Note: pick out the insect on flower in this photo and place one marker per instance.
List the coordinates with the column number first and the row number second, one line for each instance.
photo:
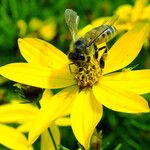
column 84, row 49
column 84, row 91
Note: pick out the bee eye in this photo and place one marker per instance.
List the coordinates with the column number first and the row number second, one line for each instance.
column 72, row 56
column 76, row 56
column 81, row 56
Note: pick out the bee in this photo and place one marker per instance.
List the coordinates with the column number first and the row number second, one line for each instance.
column 85, row 48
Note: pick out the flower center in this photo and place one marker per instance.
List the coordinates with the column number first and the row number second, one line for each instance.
column 88, row 74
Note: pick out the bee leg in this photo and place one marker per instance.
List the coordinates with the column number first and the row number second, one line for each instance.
column 103, row 58
column 70, row 67
column 96, row 51
column 103, row 47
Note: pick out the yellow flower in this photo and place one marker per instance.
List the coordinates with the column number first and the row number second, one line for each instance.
column 37, row 28
column 24, row 114
column 48, row 68
column 35, row 24
column 129, row 15
column 13, row 139
column 22, row 26
column 46, row 29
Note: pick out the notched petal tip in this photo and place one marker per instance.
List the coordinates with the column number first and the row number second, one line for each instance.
column 37, row 51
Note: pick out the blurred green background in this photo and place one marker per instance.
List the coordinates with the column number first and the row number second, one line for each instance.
column 21, row 18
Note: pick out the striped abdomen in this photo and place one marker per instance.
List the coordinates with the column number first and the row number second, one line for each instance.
column 106, row 33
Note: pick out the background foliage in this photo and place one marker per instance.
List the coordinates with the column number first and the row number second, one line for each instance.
column 119, row 131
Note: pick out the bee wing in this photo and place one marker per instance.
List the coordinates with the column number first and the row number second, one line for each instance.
column 72, row 20
column 98, row 31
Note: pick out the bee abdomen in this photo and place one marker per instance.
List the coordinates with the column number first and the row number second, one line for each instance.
column 108, row 33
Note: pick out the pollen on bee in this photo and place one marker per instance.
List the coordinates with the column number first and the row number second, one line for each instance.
column 88, row 75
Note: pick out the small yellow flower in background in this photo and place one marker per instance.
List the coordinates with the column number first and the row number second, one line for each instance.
column 13, row 139
column 129, row 15
column 47, row 67
column 22, row 26
column 48, row 30
column 35, row 24
column 38, row 28
column 24, row 114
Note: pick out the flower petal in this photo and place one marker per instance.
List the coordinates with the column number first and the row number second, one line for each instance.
column 12, row 138
column 38, row 76
column 24, row 127
column 46, row 141
column 85, row 115
column 46, row 96
column 37, row 51
column 137, row 81
column 56, row 107
column 19, row 113
column 65, row 121
column 138, row 9
column 119, row 100
column 124, row 51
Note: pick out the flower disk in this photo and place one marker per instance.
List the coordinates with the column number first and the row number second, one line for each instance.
column 88, row 74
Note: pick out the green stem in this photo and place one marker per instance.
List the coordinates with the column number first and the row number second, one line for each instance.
column 51, row 135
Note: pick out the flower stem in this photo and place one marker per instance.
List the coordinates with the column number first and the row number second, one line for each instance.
column 51, row 135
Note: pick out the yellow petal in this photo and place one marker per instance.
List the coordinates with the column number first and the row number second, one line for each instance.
column 124, row 51
column 24, row 127
column 37, row 51
column 85, row 115
column 46, row 141
column 65, row 121
column 138, row 9
column 46, row 96
column 38, row 76
column 146, row 12
column 19, row 113
column 55, row 108
column 119, row 100
column 124, row 12
column 12, row 138
column 136, row 81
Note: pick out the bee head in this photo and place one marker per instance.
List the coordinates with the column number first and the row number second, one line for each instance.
column 75, row 56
